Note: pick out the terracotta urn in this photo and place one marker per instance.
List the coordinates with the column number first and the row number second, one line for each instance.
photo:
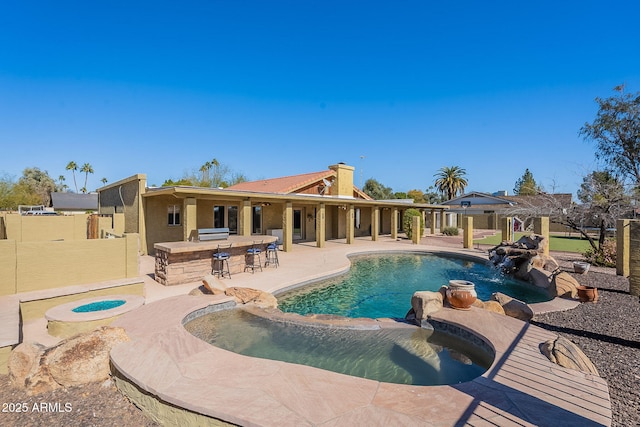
column 587, row 293
column 461, row 294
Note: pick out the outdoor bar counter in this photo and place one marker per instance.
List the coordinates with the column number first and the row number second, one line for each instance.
column 184, row 262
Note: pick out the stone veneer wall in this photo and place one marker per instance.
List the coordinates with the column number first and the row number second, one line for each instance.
column 186, row 267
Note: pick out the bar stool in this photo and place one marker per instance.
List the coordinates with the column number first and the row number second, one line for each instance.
column 253, row 252
column 221, row 260
column 272, row 255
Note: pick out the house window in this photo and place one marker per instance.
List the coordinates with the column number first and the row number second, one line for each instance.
column 173, row 217
column 256, row 220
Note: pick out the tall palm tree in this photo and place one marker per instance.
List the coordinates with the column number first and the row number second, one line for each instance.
column 451, row 181
column 87, row 169
column 103, row 181
column 73, row 167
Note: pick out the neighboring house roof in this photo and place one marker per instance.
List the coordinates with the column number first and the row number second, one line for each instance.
column 307, row 183
column 488, row 202
column 478, row 198
column 74, row 201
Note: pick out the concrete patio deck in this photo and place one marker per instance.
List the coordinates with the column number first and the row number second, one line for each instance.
column 169, row 368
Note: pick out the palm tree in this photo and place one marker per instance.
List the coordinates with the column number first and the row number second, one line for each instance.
column 87, row 169
column 451, row 181
column 103, row 181
column 73, row 167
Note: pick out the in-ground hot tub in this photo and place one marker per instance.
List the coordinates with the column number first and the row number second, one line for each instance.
column 87, row 314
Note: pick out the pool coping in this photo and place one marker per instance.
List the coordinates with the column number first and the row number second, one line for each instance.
column 521, row 387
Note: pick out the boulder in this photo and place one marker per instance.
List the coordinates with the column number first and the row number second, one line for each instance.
column 248, row 295
column 266, row 300
column 84, row 358
column 494, row 306
column 75, row 361
column 564, row 285
column 513, row 307
column 424, row 303
column 540, row 278
column 24, row 358
column 478, row 303
column 565, row 353
column 214, row 284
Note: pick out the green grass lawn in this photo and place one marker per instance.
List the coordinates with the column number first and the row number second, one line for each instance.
column 556, row 243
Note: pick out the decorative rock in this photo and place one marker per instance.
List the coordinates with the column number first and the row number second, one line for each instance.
column 214, row 285
column 565, row 353
column 513, row 307
column 242, row 295
column 564, row 285
column 541, row 278
column 85, row 358
column 266, row 300
column 494, row 306
column 248, row 295
column 22, row 360
column 478, row 303
column 424, row 303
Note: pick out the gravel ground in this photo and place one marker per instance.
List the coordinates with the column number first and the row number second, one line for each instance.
column 607, row 331
column 89, row 405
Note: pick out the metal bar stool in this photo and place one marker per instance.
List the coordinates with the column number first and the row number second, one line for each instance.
column 272, row 255
column 252, row 253
column 221, row 260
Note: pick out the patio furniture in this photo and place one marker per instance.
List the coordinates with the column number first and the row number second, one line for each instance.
column 221, row 261
column 271, row 256
column 205, row 234
column 253, row 253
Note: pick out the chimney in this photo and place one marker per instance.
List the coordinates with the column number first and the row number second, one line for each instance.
column 343, row 183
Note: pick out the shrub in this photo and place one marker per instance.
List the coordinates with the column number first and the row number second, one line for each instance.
column 450, row 231
column 604, row 256
column 407, row 222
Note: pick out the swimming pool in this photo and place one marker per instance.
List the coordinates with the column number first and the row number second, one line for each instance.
column 381, row 285
column 400, row 354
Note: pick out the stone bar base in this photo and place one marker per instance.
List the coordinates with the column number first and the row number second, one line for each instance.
column 185, row 262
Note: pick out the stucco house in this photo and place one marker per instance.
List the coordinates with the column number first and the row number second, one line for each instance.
column 309, row 207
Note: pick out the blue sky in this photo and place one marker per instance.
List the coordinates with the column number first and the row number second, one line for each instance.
column 285, row 87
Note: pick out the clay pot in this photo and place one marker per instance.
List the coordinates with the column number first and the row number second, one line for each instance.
column 461, row 294
column 587, row 294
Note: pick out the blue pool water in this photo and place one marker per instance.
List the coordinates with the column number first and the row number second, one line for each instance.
column 381, row 285
column 414, row 355
column 98, row 306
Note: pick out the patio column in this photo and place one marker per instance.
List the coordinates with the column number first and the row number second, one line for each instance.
column 190, row 219
column 467, row 241
column 244, row 220
column 287, row 227
column 507, row 229
column 634, row 258
column 350, row 225
column 375, row 222
column 541, row 227
column 321, row 226
column 394, row 223
column 433, row 222
column 623, row 229
column 443, row 220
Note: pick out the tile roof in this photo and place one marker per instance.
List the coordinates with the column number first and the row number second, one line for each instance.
column 283, row 185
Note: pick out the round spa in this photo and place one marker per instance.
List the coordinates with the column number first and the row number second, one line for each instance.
column 75, row 317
